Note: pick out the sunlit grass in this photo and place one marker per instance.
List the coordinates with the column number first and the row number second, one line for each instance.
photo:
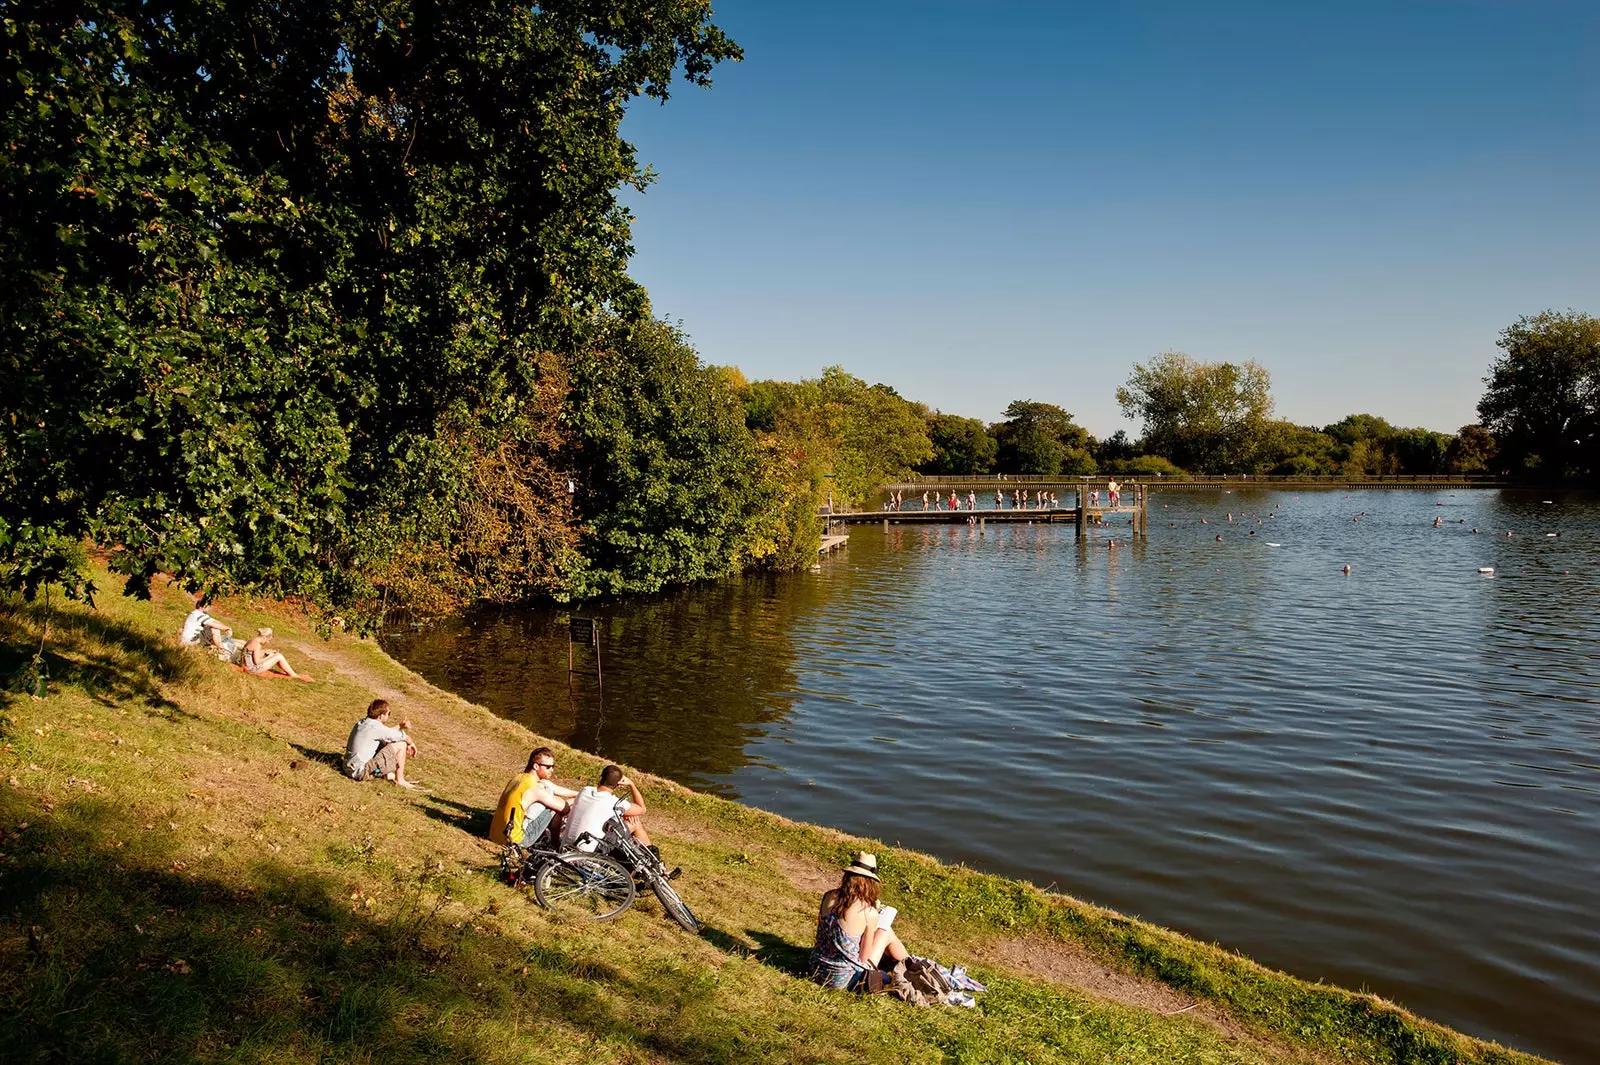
column 184, row 875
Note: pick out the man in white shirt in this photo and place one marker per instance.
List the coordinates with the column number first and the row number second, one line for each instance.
column 376, row 749
column 594, row 806
column 202, row 629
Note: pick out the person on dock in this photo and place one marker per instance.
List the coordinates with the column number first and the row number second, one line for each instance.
column 924, row 500
column 955, row 500
column 1016, row 499
column 972, row 500
column 1114, row 492
column 376, row 750
column 531, row 802
column 999, row 499
column 854, row 934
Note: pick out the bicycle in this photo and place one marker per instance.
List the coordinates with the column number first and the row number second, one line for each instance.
column 570, row 881
column 647, row 870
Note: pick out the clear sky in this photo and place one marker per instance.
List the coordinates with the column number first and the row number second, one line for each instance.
column 982, row 201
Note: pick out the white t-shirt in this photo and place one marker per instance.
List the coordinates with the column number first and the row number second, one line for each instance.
column 194, row 627
column 589, row 813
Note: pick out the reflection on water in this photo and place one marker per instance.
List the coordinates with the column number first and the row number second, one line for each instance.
column 1388, row 779
column 688, row 682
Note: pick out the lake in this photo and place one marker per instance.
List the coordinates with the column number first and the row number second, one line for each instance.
column 1388, row 779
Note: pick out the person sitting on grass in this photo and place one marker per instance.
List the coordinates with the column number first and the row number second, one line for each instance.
column 259, row 659
column 853, row 933
column 531, row 803
column 376, row 750
column 594, row 806
column 203, row 630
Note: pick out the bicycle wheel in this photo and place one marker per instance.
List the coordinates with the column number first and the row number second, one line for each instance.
column 590, row 884
column 676, row 908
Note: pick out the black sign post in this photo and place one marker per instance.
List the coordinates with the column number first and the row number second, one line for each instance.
column 584, row 631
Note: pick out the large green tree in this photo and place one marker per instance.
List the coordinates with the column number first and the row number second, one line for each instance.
column 669, row 486
column 1542, row 400
column 961, row 446
column 1210, row 417
column 1042, row 438
column 280, row 276
column 842, row 431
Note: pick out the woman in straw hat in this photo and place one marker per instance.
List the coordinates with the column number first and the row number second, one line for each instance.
column 852, row 941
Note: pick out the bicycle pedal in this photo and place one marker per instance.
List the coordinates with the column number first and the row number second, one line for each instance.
column 677, row 871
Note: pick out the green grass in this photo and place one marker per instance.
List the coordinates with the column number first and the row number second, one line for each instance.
column 185, row 876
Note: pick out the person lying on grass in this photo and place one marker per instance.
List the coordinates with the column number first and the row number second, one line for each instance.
column 531, row 803
column 261, row 660
column 376, row 750
column 853, row 933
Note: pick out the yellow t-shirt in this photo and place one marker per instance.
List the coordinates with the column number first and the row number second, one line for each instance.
column 506, row 827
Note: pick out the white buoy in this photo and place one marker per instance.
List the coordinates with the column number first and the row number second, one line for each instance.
column 1485, row 569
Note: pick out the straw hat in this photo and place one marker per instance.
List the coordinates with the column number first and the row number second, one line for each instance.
column 864, row 864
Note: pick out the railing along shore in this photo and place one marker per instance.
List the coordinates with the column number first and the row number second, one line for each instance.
column 992, row 480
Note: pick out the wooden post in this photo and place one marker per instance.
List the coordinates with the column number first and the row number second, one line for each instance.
column 1083, row 511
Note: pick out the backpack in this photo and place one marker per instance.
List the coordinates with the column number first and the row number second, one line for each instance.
column 925, row 976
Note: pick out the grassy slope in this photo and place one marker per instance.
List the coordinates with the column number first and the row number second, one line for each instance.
column 184, row 875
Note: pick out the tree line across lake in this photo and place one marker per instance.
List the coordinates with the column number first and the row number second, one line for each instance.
column 331, row 302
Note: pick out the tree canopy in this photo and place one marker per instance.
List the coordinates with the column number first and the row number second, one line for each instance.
column 1042, row 438
column 668, row 486
column 1204, row 416
column 961, row 446
column 1542, row 396
column 279, row 275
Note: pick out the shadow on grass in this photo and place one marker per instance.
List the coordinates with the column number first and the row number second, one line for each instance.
column 770, row 949
column 334, row 760
column 110, row 660
column 98, row 924
column 473, row 820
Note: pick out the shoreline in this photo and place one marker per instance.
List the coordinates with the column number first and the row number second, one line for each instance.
column 138, row 735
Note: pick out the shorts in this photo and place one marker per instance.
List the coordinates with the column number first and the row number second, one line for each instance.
column 385, row 762
column 534, row 824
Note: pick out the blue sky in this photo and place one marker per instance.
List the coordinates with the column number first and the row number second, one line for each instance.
column 984, row 201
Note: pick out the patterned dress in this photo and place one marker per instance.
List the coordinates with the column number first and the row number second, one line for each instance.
column 836, row 956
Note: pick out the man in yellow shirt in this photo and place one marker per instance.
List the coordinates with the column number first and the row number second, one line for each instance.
column 531, row 802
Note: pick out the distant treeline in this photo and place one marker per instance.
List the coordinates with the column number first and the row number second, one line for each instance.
column 323, row 304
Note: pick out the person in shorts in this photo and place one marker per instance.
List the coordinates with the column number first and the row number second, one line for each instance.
column 594, row 806
column 376, row 750
column 203, row 630
column 531, row 803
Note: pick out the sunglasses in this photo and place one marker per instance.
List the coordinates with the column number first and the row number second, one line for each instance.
column 544, row 765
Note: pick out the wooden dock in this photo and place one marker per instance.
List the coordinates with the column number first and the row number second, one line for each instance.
column 832, row 542
column 1081, row 516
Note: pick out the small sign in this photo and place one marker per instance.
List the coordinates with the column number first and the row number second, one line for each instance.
column 583, row 630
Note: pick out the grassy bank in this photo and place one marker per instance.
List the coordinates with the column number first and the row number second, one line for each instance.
column 185, row 876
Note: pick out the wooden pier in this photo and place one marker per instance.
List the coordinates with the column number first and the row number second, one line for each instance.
column 1080, row 517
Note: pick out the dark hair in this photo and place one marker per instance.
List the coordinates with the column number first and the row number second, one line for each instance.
column 852, row 889
column 378, row 708
column 610, row 775
column 534, row 757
